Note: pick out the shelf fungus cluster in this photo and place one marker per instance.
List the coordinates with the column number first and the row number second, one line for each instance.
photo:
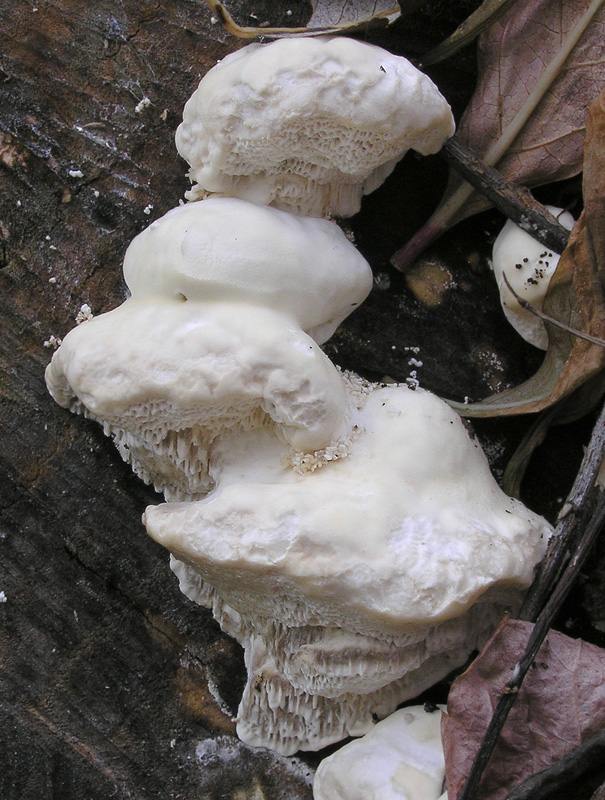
column 349, row 535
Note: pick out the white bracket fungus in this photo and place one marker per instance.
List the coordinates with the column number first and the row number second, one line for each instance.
column 308, row 125
column 401, row 758
column 212, row 339
column 528, row 266
column 358, row 585
column 230, row 250
column 350, row 536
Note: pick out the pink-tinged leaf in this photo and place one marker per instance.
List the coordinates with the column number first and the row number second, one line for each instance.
column 513, row 55
column 560, row 705
column 527, row 115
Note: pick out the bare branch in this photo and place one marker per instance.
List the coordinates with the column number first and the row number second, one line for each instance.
column 515, row 202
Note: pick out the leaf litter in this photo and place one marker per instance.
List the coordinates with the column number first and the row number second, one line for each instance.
column 540, row 65
column 560, row 705
column 575, row 298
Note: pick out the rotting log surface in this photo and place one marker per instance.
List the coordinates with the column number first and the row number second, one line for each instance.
column 112, row 684
column 105, row 667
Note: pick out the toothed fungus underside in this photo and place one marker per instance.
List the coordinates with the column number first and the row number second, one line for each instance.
column 357, row 585
column 309, row 125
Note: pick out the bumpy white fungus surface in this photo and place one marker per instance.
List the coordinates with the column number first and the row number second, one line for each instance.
column 308, row 124
column 358, row 584
column 229, row 250
column 529, row 266
column 212, row 339
column 401, row 758
column 167, row 379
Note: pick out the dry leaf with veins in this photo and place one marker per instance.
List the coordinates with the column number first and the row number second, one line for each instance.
column 328, row 13
column 513, row 55
column 328, row 17
column 560, row 705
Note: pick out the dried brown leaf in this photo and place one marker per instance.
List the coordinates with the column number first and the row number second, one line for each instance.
column 513, row 54
column 332, row 13
column 329, row 17
column 575, row 298
column 560, row 705
column 519, row 66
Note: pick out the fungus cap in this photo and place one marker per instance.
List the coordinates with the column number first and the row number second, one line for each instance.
column 401, row 758
column 528, row 266
column 308, row 124
column 167, row 378
column 359, row 583
column 226, row 249
column 409, row 529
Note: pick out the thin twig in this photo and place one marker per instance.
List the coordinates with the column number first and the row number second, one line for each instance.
column 590, row 466
column 573, row 515
column 551, row 320
column 515, row 202
column 442, row 217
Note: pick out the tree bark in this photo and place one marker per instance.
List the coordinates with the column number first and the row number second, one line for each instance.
column 112, row 683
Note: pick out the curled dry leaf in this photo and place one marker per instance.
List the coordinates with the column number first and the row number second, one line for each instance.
column 527, row 115
column 332, row 13
column 328, row 17
column 560, row 705
column 575, row 297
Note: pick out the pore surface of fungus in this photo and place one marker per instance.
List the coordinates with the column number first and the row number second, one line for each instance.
column 309, row 124
column 356, row 585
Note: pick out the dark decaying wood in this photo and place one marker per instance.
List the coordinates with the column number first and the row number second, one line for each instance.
column 112, row 684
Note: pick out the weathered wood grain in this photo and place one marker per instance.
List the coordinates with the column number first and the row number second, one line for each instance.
column 105, row 667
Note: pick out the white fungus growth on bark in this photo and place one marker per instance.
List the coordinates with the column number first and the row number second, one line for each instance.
column 349, row 535
column 401, row 758
column 358, row 585
column 228, row 300
column 308, row 125
column 528, row 266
